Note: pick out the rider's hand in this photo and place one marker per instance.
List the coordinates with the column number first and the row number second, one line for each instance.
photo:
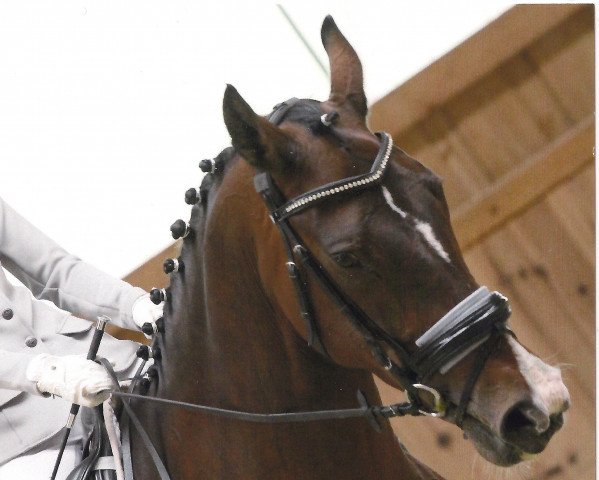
column 71, row 377
column 144, row 311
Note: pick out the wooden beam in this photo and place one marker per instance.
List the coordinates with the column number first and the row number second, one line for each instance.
column 525, row 185
column 467, row 63
column 150, row 274
column 146, row 276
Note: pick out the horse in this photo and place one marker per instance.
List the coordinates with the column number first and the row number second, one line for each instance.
column 317, row 255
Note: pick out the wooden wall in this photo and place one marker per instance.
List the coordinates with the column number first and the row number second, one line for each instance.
column 507, row 119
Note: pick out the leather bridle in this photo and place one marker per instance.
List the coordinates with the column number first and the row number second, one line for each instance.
column 483, row 320
column 478, row 321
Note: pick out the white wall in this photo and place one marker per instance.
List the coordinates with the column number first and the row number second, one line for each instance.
column 106, row 107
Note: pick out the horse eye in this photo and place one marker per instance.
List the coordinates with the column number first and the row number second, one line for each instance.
column 346, row 259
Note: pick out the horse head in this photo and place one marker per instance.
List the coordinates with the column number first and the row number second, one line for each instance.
column 386, row 265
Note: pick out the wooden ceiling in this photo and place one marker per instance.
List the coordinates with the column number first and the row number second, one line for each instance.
column 507, row 119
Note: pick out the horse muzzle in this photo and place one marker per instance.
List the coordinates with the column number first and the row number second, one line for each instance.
column 521, row 432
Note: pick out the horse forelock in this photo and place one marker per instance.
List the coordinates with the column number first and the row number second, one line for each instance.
column 306, row 112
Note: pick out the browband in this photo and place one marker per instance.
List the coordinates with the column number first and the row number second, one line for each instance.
column 350, row 184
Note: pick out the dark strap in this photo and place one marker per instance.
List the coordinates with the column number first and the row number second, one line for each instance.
column 145, row 438
column 364, row 411
column 294, row 248
column 126, row 431
column 484, row 353
column 369, row 329
column 451, row 343
column 85, row 469
column 339, row 187
column 276, row 116
column 370, row 413
column 147, row 442
column 272, row 197
column 306, row 310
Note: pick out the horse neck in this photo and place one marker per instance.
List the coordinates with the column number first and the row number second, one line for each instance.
column 234, row 336
column 228, row 345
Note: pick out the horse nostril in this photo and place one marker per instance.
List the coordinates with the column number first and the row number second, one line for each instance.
column 528, row 427
column 525, row 416
column 557, row 421
column 539, row 419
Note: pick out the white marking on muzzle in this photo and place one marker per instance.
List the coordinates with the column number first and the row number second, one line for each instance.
column 545, row 382
column 423, row 228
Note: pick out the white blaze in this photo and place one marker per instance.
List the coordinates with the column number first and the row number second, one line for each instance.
column 427, row 232
column 423, row 228
column 391, row 203
column 545, row 382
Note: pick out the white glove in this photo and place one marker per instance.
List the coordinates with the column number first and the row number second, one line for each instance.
column 71, row 377
column 145, row 311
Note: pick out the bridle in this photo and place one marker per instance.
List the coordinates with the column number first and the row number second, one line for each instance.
column 477, row 321
column 479, row 318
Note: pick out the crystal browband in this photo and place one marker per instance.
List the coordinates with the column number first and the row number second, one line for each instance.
column 375, row 174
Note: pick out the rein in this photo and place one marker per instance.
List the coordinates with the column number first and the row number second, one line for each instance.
column 369, row 412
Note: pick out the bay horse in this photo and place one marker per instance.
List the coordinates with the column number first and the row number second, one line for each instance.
column 287, row 301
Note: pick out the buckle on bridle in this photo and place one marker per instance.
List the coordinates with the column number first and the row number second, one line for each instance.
column 439, row 407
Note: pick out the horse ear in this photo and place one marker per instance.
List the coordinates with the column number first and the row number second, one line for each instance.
column 262, row 144
column 346, row 69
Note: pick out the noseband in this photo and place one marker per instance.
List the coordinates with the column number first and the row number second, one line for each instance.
column 478, row 319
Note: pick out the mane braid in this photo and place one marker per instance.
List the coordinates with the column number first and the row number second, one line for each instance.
column 198, row 220
column 223, row 160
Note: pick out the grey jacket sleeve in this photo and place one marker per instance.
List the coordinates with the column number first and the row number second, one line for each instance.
column 51, row 273
column 13, row 371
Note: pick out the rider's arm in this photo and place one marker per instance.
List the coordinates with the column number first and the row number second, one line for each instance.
column 51, row 273
column 13, row 372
